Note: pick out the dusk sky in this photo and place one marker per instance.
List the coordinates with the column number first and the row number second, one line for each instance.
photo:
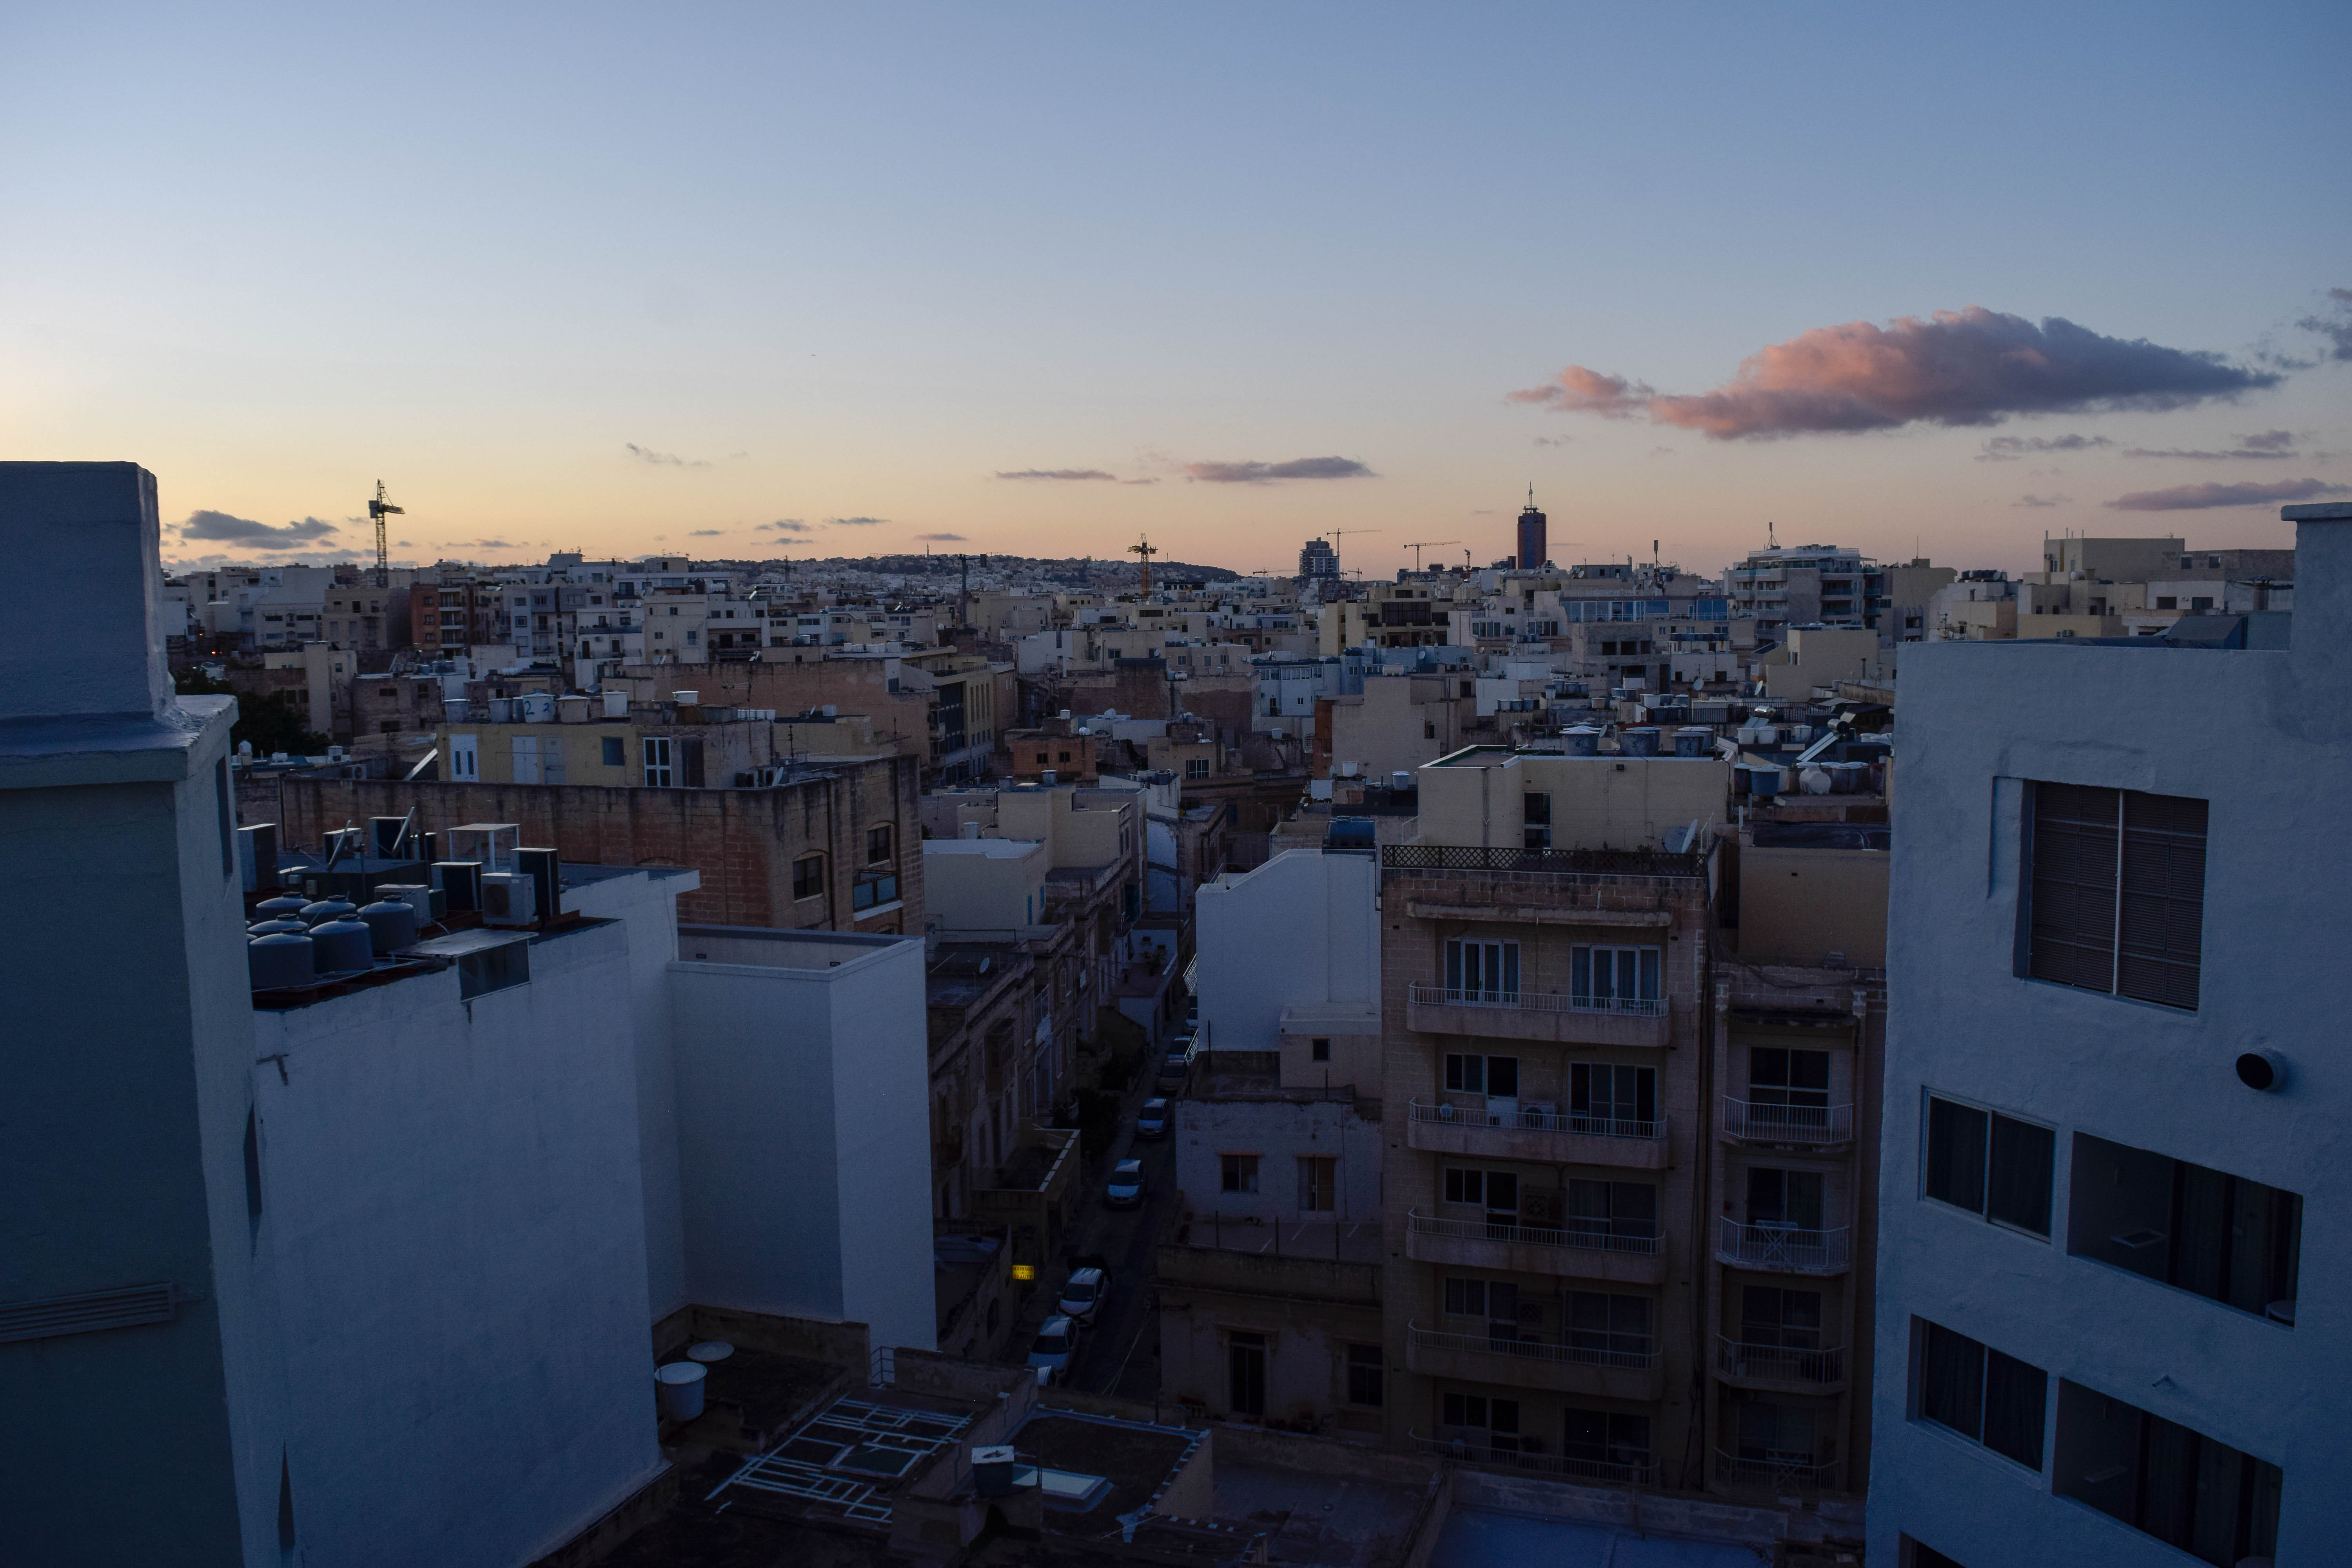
column 1034, row 280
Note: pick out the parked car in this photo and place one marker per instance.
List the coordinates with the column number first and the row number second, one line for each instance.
column 1151, row 1122
column 1082, row 1294
column 1050, row 1352
column 1125, row 1190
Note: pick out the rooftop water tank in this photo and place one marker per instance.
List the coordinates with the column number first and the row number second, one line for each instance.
column 281, row 958
column 327, row 910
column 1402, row 779
column 616, row 704
column 502, row 709
column 538, row 707
column 456, row 710
column 573, row 708
column 1583, row 740
column 342, row 945
column 272, row 928
column 392, row 925
column 1695, row 740
column 285, row 905
column 678, row 1389
column 1641, row 741
column 1765, row 781
column 687, row 698
column 1814, row 781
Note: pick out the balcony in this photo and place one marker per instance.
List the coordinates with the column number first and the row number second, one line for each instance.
column 1784, row 1475
column 1546, row 1015
column 1787, row 1126
column 1531, row 1363
column 1780, row 1249
column 1476, row 1448
column 1537, row 1136
column 1534, row 1249
column 1780, row 1369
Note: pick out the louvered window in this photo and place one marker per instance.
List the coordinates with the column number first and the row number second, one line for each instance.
column 2118, row 891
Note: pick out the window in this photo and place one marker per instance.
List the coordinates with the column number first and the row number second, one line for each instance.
column 1240, row 1173
column 1537, row 809
column 615, row 752
column 1924, row 1556
column 1788, row 1087
column 2200, row 604
column 1989, row 1164
column 1482, row 971
column 1463, row 1187
column 1196, row 767
column 1246, row 1369
column 1624, row 1209
column 1472, row 1298
column 1318, row 1174
column 1782, row 1199
column 1043, row 759
column 1495, row 1422
column 808, row 877
column 2167, row 601
column 2117, row 900
column 1614, row 979
column 1613, row 1328
column 1497, row 1076
column 2157, row 1476
column 2224, row 1237
column 1364, row 1380
column 1595, row 1438
column 464, row 757
column 1612, row 1100
column 1429, row 731
column 878, row 845
column 1979, row 1393
column 1780, row 1319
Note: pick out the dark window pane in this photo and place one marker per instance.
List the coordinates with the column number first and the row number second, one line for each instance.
column 1502, row 1077
column 1956, row 1154
column 2163, row 905
column 2074, row 885
column 2014, row 1398
column 2019, row 1191
column 1951, row 1381
column 1767, row 1065
column 1927, row 1557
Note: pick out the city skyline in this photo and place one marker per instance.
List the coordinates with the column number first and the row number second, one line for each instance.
column 817, row 286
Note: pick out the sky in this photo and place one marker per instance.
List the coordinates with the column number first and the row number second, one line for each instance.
column 748, row 281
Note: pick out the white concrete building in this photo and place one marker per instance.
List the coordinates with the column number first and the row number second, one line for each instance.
column 2113, row 1104
column 1290, row 953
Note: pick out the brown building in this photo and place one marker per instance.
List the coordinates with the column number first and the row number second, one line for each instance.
column 835, row 847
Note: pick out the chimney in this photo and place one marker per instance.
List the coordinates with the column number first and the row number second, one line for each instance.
column 2321, row 632
column 98, row 648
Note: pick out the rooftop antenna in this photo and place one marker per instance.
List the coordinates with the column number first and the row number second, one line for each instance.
column 379, row 508
column 1771, row 543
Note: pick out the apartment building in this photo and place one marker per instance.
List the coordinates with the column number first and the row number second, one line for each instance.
column 1270, row 1288
column 1801, row 584
column 1544, row 1006
column 2112, row 1116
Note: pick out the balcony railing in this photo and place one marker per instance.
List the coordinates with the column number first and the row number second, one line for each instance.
column 1464, row 1450
column 1538, row 1001
column 1780, row 1248
column 1538, row 1350
column 1787, row 1472
column 1538, row 1121
column 1765, row 1123
column 1594, row 862
column 1529, row 1235
column 1780, row 1363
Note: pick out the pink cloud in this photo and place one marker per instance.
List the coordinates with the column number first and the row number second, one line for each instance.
column 1957, row 367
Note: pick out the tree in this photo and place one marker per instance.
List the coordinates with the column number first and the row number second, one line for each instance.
column 271, row 722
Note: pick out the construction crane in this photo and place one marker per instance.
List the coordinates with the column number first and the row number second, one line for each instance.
column 380, row 509
column 1335, row 534
column 1147, row 550
column 1419, row 545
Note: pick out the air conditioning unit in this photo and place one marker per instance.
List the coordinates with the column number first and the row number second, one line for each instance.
column 509, row 898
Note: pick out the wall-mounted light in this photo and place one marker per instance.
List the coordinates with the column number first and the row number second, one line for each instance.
column 1024, row 1271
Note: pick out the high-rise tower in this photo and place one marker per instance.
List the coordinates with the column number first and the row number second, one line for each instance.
column 1533, row 549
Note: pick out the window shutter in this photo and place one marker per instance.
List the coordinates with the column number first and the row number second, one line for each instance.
column 2163, row 904
column 2074, row 908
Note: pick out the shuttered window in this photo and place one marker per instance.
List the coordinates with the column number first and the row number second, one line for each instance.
column 2118, row 892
